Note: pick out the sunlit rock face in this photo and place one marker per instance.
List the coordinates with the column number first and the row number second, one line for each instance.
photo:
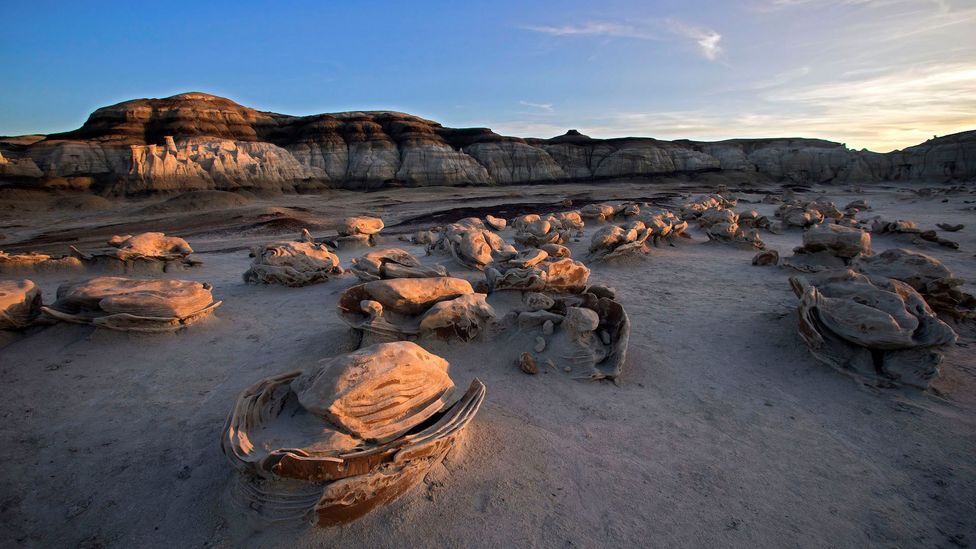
column 196, row 141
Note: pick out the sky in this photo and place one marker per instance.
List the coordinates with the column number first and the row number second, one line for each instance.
column 876, row 74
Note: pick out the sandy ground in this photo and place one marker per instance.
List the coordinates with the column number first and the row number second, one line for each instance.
column 724, row 430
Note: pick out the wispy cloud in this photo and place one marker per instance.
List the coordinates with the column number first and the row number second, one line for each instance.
column 776, row 5
column 542, row 106
column 707, row 40
column 594, row 28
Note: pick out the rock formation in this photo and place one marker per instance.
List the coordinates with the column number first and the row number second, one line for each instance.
column 293, row 263
column 926, row 274
column 145, row 253
column 133, row 305
column 829, row 246
column 20, row 303
column 471, row 244
column 346, row 435
column 392, row 263
column 196, row 141
column 534, row 270
column 584, row 335
column 872, row 327
column 404, row 308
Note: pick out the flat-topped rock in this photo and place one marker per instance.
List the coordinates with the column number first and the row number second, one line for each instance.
column 377, row 393
column 133, row 304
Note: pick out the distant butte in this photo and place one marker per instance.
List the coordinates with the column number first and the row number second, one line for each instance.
column 195, row 141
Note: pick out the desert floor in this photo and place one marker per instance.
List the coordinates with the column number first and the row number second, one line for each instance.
column 724, row 431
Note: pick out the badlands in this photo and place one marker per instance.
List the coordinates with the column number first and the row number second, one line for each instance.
column 775, row 352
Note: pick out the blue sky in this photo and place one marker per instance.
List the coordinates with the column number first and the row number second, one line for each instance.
column 880, row 74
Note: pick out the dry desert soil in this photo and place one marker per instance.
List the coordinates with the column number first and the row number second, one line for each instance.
column 724, row 431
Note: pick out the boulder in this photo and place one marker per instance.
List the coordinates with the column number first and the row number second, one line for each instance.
column 133, row 305
column 876, row 328
column 841, row 241
column 398, row 309
column 20, row 303
column 346, row 435
column 377, row 393
column 293, row 263
column 926, row 274
column 495, row 223
column 358, row 225
column 393, row 263
column 150, row 246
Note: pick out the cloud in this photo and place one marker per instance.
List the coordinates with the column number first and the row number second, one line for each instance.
column 708, row 40
column 777, row 5
column 901, row 107
column 543, row 106
column 596, row 28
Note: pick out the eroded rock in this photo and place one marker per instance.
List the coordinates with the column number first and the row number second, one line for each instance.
column 347, row 435
column 393, row 263
column 871, row 327
column 150, row 246
column 397, row 309
column 293, row 263
column 829, row 246
column 766, row 258
column 357, row 225
column 534, row 271
column 20, row 303
column 926, row 274
column 22, row 264
column 133, row 305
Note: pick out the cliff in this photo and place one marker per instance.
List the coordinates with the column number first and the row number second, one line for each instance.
column 197, row 141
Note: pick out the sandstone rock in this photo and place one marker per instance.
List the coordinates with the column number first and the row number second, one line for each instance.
column 540, row 344
column 473, row 247
column 765, row 258
column 397, row 309
column 535, row 301
column 496, row 223
column 377, row 393
column 296, row 463
column 196, row 141
column 20, row 303
column 360, row 225
column 845, row 242
column 20, row 264
column 527, row 364
column 571, row 220
column 415, row 295
column 463, row 317
column 925, row 274
column 150, row 245
column 548, row 327
column 393, row 263
column 293, row 263
column 564, row 275
column 133, row 305
column 880, row 226
column 598, row 212
column 871, row 327
column 581, row 319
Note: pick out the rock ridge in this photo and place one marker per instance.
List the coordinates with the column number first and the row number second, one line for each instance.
column 197, row 141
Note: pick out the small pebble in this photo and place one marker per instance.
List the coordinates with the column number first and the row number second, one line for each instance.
column 527, row 364
column 548, row 327
column 605, row 337
column 567, row 369
column 540, row 343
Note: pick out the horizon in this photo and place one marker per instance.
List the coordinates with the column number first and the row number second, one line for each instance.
column 759, row 69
